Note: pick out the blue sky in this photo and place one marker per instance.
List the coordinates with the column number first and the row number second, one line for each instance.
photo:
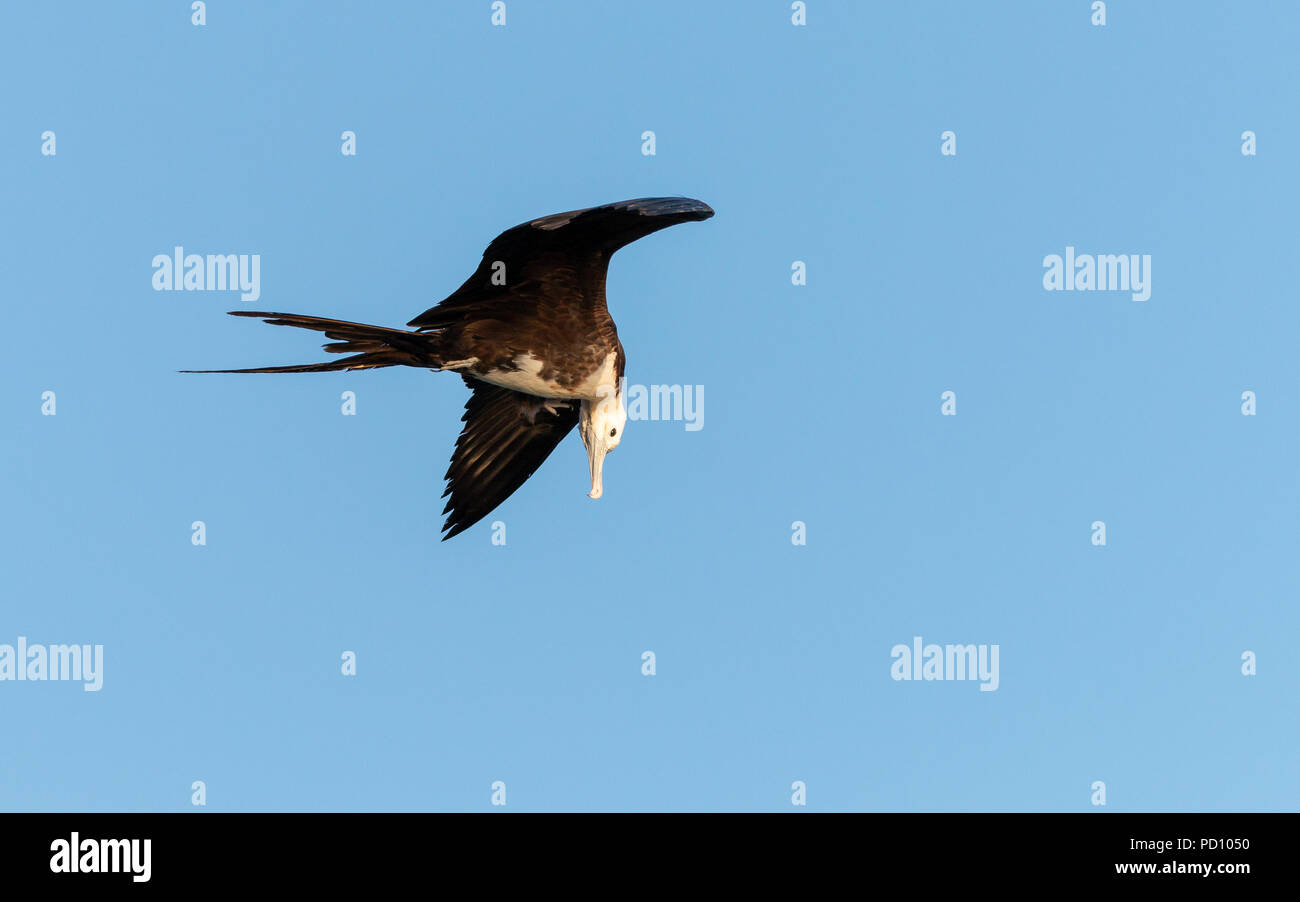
column 522, row 663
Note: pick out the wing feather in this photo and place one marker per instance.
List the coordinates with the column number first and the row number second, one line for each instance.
column 563, row 256
column 507, row 436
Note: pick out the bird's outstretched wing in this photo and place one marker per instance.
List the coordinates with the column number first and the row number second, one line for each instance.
column 507, row 436
column 559, row 258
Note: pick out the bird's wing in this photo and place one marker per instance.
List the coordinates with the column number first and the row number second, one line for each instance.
column 563, row 256
column 507, row 436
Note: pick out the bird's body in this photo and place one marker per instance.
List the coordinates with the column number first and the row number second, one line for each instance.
column 530, row 334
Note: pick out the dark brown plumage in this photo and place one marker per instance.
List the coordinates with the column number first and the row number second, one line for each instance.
column 507, row 436
column 528, row 331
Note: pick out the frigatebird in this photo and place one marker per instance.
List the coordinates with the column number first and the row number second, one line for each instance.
column 530, row 335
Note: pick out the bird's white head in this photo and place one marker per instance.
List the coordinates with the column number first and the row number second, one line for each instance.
column 600, row 423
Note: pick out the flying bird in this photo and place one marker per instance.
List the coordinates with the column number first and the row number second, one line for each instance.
column 530, row 335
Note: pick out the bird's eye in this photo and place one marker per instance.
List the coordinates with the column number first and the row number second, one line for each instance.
column 613, row 432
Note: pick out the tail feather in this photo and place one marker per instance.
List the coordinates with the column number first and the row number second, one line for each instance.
column 369, row 347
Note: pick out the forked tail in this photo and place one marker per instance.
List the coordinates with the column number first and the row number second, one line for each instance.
column 368, row 347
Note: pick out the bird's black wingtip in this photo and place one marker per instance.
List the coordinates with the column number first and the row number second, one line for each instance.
column 681, row 208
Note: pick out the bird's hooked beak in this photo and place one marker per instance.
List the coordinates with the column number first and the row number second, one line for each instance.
column 596, row 452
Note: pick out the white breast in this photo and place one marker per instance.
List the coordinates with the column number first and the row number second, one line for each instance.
column 527, row 379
